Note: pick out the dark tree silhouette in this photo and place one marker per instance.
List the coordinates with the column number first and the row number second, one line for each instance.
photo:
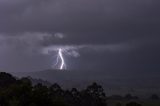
column 118, row 104
column 55, row 90
column 41, row 95
column 133, row 104
column 6, row 79
column 22, row 92
column 94, row 95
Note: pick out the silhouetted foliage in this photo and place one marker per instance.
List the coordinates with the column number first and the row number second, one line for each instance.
column 118, row 104
column 133, row 104
column 94, row 95
column 21, row 92
column 6, row 79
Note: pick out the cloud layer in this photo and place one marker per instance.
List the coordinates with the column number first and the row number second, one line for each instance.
column 101, row 33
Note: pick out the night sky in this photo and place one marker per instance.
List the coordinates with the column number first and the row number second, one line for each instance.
column 97, row 35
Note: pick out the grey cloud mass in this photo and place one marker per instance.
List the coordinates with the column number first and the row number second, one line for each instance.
column 102, row 34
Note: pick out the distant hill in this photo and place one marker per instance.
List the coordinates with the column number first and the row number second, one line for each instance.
column 118, row 84
column 64, row 77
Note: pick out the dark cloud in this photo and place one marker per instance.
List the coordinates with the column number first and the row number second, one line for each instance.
column 100, row 31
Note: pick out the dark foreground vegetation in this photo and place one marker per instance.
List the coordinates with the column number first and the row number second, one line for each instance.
column 21, row 92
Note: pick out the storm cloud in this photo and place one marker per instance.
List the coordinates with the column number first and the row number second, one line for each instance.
column 101, row 34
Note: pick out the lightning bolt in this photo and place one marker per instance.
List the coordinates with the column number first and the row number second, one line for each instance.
column 57, row 61
column 62, row 66
column 60, row 60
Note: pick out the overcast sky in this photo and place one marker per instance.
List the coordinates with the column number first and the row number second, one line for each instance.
column 100, row 35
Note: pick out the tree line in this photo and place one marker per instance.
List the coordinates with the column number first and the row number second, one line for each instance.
column 21, row 92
